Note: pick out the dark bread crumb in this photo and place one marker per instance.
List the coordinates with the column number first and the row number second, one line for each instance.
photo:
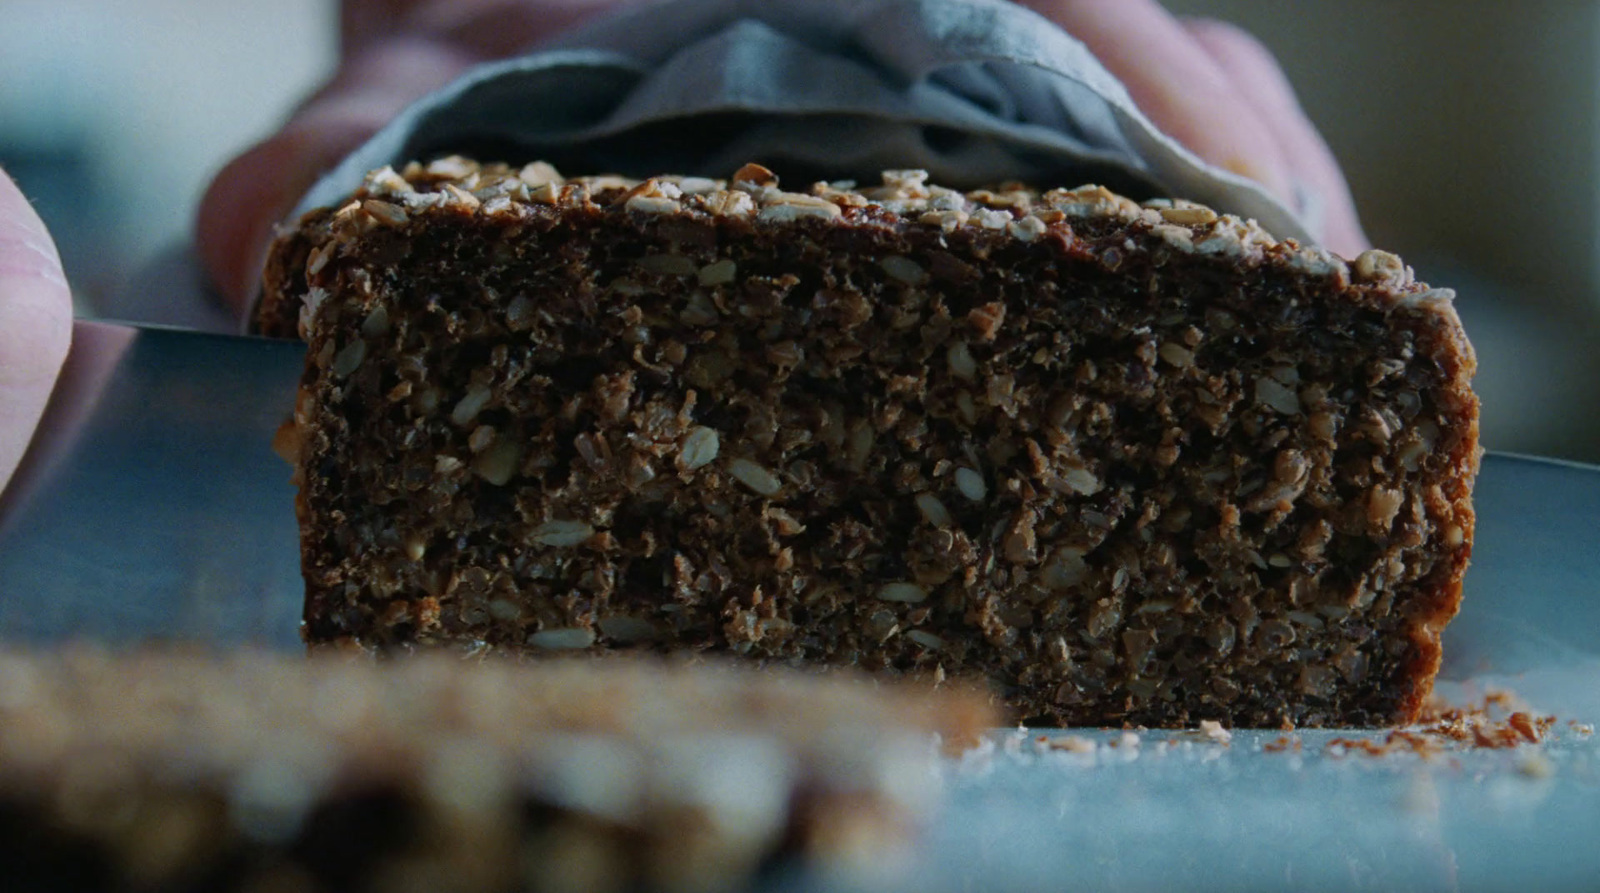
column 1130, row 464
column 1495, row 724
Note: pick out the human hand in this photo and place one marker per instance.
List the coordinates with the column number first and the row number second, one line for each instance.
column 391, row 53
column 1217, row 90
column 1210, row 85
column 35, row 323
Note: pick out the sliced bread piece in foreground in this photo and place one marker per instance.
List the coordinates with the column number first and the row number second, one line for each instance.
column 171, row 770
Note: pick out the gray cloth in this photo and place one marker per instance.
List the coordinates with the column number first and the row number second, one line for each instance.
column 974, row 91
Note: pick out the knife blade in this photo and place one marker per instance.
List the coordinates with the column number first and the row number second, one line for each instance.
column 150, row 504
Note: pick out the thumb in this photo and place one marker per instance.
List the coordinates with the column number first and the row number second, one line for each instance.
column 35, row 323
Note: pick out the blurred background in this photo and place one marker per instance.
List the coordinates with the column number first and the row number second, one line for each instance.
column 1469, row 129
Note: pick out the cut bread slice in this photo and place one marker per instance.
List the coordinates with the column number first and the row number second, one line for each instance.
column 1127, row 463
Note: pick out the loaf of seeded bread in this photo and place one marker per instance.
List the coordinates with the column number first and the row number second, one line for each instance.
column 188, row 771
column 1128, row 463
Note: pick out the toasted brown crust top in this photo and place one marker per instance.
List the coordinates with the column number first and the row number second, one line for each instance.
column 451, row 187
